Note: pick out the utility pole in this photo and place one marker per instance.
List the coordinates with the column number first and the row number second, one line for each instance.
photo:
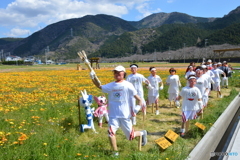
column 206, row 47
column 2, row 55
column 184, row 51
column 46, row 52
column 169, row 54
column 155, row 55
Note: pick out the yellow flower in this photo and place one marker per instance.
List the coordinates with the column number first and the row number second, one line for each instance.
column 44, row 144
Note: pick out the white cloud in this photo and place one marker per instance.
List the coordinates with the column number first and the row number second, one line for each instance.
column 170, row 1
column 30, row 13
column 145, row 10
column 16, row 32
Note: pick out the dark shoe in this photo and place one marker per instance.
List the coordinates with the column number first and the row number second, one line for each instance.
column 182, row 134
column 144, row 138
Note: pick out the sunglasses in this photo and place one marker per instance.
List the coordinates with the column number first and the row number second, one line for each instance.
column 172, row 70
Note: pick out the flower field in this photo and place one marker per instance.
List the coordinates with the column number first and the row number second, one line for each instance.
column 39, row 118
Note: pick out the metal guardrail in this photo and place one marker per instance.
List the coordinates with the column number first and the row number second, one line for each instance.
column 210, row 141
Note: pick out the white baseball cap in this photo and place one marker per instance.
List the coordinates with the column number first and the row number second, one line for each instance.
column 119, row 69
column 209, row 60
column 204, row 66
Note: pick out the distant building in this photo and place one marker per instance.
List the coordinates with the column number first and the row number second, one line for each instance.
column 13, row 58
column 50, row 62
column 29, row 59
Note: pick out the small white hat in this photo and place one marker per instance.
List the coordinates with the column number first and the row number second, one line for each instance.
column 204, row 66
column 119, row 69
column 210, row 60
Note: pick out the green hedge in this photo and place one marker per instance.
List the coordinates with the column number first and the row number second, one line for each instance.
column 12, row 62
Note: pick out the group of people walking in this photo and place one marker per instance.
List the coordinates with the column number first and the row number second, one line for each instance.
column 123, row 94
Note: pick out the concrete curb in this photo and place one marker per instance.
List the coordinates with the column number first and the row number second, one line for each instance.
column 211, row 139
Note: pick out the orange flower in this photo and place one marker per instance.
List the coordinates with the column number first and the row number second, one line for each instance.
column 23, row 137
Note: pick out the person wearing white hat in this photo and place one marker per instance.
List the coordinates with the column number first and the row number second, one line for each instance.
column 202, row 84
column 153, row 92
column 216, row 86
column 173, row 90
column 192, row 104
column 219, row 64
column 224, row 68
column 120, row 95
column 208, row 74
column 137, row 80
column 189, row 72
column 209, row 64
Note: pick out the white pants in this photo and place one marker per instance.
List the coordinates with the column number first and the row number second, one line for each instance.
column 224, row 82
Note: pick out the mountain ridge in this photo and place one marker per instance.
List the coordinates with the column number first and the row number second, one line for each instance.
column 93, row 33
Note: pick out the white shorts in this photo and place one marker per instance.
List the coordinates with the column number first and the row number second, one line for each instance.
column 152, row 99
column 189, row 115
column 124, row 123
column 216, row 86
column 172, row 96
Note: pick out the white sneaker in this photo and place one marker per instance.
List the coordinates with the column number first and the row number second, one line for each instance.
column 157, row 112
column 115, row 154
column 220, row 96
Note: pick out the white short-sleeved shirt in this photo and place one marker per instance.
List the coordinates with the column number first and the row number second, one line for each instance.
column 190, row 98
column 202, row 84
column 154, row 81
column 137, row 80
column 210, row 73
column 208, row 78
column 120, row 97
column 217, row 73
column 173, row 81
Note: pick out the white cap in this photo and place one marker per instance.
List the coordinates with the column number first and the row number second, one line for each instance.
column 119, row 69
column 204, row 66
column 219, row 63
column 209, row 60
column 153, row 69
column 192, row 77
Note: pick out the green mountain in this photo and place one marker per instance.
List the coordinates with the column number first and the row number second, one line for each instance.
column 159, row 19
column 109, row 36
column 220, row 31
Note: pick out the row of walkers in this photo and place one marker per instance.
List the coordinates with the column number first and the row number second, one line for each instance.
column 123, row 94
column 200, row 81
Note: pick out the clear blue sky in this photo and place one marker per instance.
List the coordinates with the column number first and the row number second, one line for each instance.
column 21, row 18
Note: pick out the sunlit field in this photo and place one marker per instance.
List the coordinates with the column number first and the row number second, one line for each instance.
column 39, row 115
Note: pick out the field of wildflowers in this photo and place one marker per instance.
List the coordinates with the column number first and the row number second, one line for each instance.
column 39, row 118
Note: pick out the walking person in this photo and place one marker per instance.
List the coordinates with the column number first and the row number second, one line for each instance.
column 120, row 95
column 192, row 104
column 202, row 84
column 217, row 80
column 224, row 68
column 153, row 92
column 137, row 80
column 174, row 84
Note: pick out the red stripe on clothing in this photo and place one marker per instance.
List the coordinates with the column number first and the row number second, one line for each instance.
column 110, row 131
column 131, row 135
column 183, row 117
